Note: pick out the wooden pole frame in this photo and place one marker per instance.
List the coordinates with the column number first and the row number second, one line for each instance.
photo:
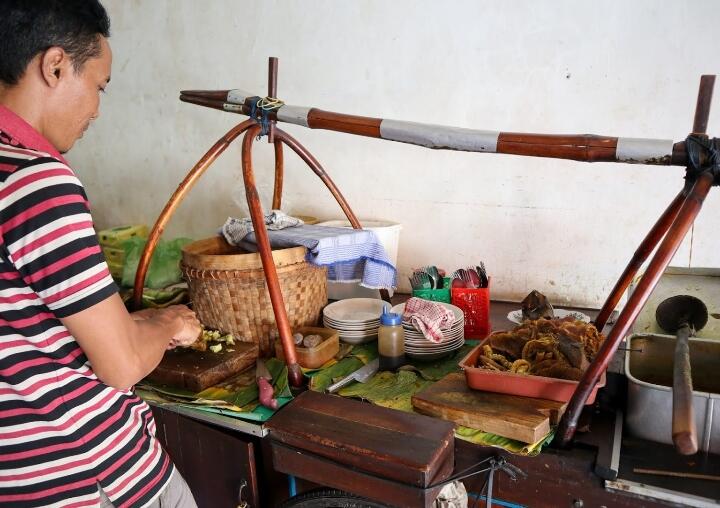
column 671, row 228
column 668, row 231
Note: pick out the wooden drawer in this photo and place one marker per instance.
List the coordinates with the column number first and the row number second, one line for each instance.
column 214, row 462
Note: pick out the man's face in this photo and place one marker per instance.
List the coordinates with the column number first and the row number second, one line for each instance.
column 77, row 99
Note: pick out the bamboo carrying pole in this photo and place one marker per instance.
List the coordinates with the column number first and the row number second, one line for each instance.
column 582, row 147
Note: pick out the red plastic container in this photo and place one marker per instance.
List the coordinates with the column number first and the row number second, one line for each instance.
column 475, row 304
column 538, row 387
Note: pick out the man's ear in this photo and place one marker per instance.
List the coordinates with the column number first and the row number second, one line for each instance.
column 54, row 64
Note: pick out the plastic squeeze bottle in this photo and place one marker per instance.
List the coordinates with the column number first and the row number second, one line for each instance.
column 391, row 341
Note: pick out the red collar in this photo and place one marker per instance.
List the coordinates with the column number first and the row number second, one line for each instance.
column 25, row 134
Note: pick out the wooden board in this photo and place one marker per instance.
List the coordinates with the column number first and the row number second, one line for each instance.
column 521, row 418
column 404, row 447
column 328, row 473
column 197, row 370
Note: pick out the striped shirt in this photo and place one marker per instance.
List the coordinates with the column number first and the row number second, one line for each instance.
column 63, row 432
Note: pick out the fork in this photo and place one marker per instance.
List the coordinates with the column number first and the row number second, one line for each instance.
column 420, row 280
column 432, row 271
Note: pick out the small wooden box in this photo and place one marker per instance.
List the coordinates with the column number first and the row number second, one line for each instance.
column 313, row 357
column 405, row 447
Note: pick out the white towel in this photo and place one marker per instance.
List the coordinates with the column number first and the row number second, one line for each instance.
column 234, row 230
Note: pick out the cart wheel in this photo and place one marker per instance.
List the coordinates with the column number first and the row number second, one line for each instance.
column 329, row 498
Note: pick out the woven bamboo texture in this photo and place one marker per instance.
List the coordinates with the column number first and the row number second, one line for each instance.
column 237, row 301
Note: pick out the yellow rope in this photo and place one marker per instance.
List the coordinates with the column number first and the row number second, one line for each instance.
column 269, row 103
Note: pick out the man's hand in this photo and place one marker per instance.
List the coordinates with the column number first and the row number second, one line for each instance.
column 191, row 326
column 123, row 348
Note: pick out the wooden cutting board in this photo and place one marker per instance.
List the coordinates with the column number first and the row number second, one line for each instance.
column 522, row 418
column 197, row 370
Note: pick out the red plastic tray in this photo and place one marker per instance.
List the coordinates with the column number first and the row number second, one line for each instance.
column 538, row 387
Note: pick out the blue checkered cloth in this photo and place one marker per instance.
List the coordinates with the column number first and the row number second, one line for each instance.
column 351, row 255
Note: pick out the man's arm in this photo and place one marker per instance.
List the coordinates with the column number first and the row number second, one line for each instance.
column 123, row 348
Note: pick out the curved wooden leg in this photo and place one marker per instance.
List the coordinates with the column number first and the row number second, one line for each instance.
column 278, row 188
column 192, row 177
column 643, row 251
column 311, row 161
column 263, row 243
column 685, row 218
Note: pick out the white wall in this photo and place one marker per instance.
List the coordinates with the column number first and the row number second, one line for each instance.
column 567, row 229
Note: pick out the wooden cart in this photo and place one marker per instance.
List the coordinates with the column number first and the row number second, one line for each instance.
column 698, row 153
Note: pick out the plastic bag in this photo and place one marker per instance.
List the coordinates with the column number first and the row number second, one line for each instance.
column 164, row 269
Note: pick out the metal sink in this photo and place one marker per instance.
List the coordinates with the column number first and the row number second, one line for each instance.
column 650, row 373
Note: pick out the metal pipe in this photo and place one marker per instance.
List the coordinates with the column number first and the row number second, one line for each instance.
column 272, row 91
column 279, row 174
column 702, row 108
column 192, row 177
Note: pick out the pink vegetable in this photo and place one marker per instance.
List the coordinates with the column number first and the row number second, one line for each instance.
column 265, row 393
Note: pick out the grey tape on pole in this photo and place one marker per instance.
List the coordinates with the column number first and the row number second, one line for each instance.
column 439, row 136
column 297, row 115
column 238, row 96
column 640, row 150
column 233, row 108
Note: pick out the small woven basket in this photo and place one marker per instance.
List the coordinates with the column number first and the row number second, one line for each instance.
column 228, row 290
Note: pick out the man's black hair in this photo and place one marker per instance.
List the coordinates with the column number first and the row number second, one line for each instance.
column 29, row 27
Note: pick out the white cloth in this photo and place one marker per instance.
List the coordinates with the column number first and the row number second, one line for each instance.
column 452, row 495
column 234, row 230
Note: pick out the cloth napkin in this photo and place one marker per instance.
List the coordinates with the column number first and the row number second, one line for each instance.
column 429, row 318
column 351, row 255
column 239, row 228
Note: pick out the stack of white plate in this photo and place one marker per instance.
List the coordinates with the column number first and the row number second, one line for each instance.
column 418, row 347
column 356, row 319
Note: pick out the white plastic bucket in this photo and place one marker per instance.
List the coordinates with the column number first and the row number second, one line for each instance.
column 388, row 234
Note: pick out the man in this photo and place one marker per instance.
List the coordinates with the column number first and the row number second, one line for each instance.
column 72, row 433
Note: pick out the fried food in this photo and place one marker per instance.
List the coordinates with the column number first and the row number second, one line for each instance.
column 489, row 363
column 559, row 348
column 520, row 367
column 507, row 343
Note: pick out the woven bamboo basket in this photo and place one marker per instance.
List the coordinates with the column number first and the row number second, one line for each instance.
column 228, row 290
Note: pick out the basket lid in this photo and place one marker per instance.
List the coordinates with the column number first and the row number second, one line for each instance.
column 216, row 254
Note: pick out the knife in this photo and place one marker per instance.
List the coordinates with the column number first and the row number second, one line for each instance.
column 264, row 383
column 361, row 375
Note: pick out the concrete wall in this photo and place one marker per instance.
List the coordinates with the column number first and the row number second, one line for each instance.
column 567, row 229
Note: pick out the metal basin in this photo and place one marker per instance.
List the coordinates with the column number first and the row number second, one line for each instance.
column 650, row 377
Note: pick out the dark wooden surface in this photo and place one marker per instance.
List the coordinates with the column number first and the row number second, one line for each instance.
column 213, row 461
column 638, row 453
column 556, row 479
column 197, row 370
column 403, row 447
column 521, row 418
